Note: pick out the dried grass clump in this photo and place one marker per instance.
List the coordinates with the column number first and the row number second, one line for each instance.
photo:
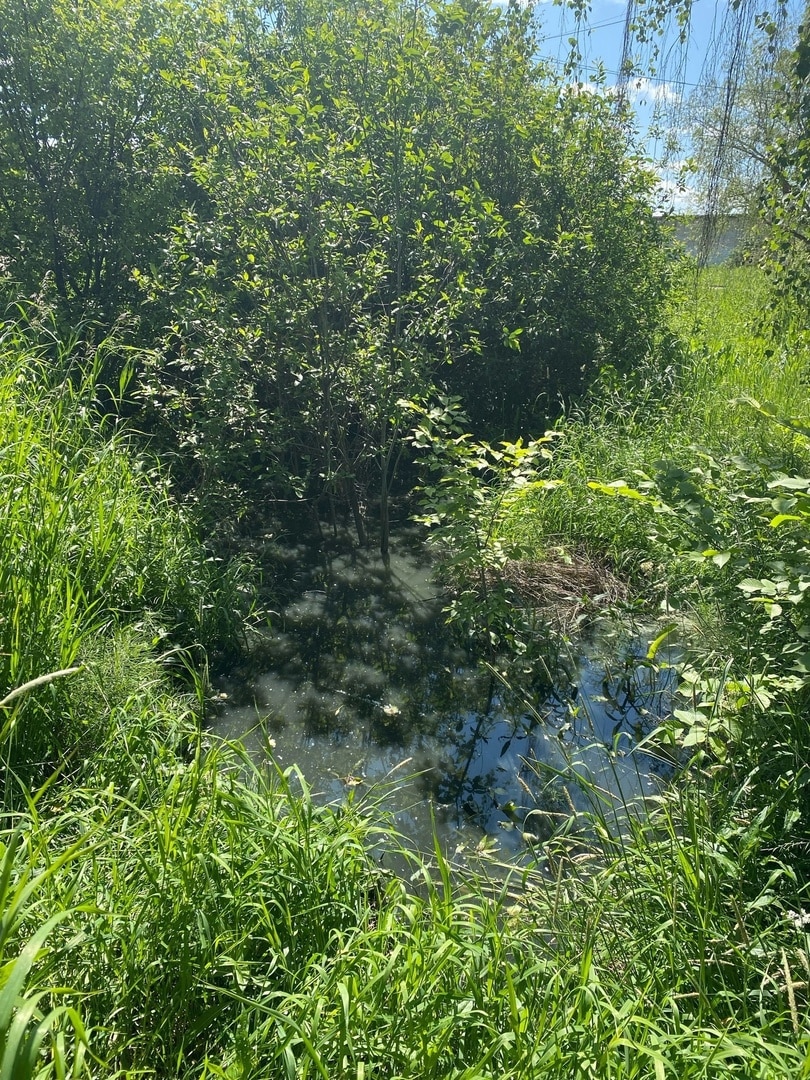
column 567, row 586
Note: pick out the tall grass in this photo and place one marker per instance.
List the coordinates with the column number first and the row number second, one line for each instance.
column 33, row 1012
column 90, row 544
column 212, row 921
column 735, row 350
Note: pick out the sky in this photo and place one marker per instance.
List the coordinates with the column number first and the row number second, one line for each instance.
column 664, row 83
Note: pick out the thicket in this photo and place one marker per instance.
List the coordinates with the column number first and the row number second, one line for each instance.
column 326, row 209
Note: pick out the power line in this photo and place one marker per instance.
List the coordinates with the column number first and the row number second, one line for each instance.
column 574, row 30
column 657, row 78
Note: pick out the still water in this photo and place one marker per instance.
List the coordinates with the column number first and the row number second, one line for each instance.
column 360, row 684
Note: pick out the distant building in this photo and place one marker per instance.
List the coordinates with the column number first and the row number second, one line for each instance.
column 727, row 236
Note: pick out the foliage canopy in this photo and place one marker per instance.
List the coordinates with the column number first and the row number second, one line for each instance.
column 328, row 208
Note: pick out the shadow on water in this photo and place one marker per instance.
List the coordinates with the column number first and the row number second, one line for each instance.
column 361, row 685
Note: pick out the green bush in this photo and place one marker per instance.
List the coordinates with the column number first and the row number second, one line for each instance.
column 396, row 198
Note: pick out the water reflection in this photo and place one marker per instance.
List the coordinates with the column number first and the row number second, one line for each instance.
column 361, row 686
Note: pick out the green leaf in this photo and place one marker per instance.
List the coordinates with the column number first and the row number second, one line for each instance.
column 690, row 717
column 659, row 641
column 750, row 585
column 792, row 483
column 780, row 519
column 719, row 558
column 619, row 488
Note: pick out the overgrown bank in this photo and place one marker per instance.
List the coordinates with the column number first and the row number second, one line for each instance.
column 171, row 912
column 695, row 481
column 299, row 232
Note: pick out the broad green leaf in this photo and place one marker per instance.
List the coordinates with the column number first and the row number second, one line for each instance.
column 792, row 483
column 780, row 519
column 690, row 716
column 619, row 488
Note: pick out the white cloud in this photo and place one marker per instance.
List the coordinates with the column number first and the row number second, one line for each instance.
column 643, row 89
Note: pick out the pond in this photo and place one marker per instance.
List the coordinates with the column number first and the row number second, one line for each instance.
column 361, row 685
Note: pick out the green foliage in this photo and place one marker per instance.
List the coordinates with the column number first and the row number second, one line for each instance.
column 395, row 198
column 674, row 410
column 676, row 881
column 90, row 544
column 174, row 911
column 743, row 526
column 327, row 209
column 786, row 195
column 84, row 109
column 749, row 517
column 214, row 922
column 40, row 1039
column 471, row 489
column 359, row 204
column 709, row 512
column 734, row 123
column 205, row 890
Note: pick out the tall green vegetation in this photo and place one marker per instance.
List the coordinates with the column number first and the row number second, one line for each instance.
column 701, row 488
column 354, row 207
column 205, row 926
column 85, row 184
column 90, row 548
column 172, row 912
column 206, row 920
column 328, row 208
column 786, row 204
column 397, row 197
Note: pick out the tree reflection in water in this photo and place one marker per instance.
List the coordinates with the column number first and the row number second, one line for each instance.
column 358, row 672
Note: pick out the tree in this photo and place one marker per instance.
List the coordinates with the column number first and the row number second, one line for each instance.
column 394, row 196
column 787, row 202
column 329, row 208
column 86, row 188
column 730, row 146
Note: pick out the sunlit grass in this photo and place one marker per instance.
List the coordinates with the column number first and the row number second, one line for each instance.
column 685, row 402
column 735, row 353
column 90, row 545
column 725, row 304
column 209, row 920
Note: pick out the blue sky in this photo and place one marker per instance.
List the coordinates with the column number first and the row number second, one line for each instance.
column 664, row 82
